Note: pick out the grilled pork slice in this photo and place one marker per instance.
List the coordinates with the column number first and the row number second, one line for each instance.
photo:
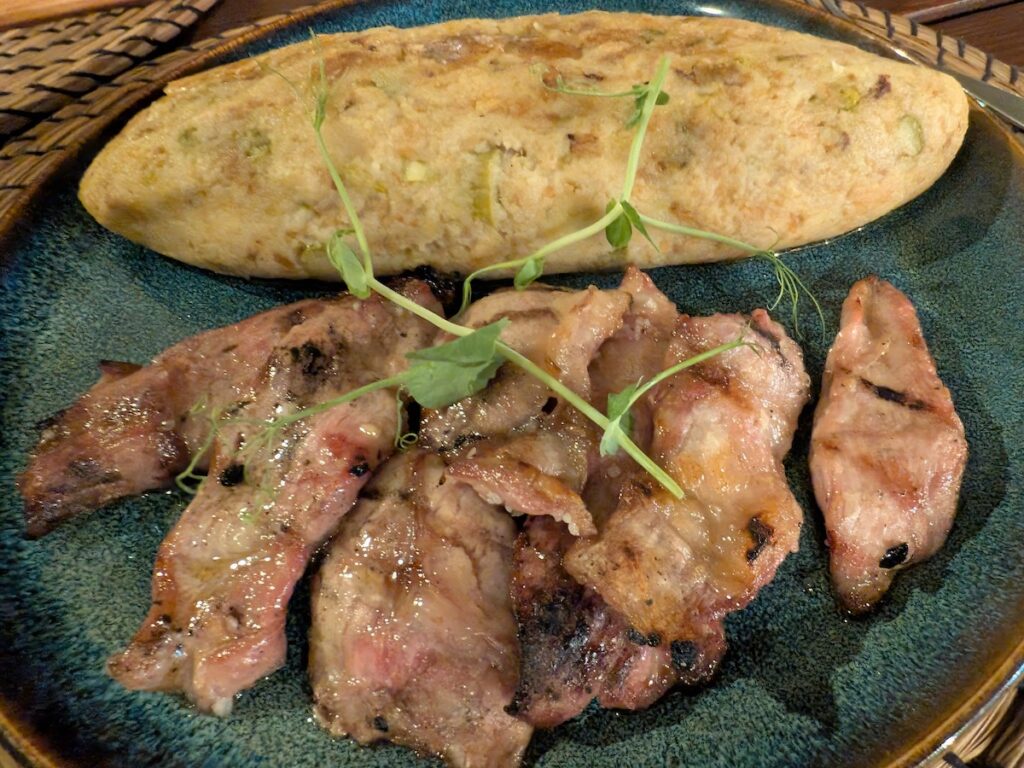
column 676, row 567
column 635, row 353
column 136, row 429
column 887, row 450
column 225, row 573
column 573, row 647
column 413, row 638
column 517, row 443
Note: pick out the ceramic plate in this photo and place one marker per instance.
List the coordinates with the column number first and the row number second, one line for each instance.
column 801, row 684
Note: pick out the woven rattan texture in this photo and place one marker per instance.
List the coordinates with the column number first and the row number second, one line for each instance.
column 45, row 67
column 927, row 45
column 993, row 739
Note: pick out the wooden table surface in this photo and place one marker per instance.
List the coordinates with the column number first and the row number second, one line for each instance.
column 994, row 26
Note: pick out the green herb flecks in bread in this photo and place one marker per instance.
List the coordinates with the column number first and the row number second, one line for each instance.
column 463, row 145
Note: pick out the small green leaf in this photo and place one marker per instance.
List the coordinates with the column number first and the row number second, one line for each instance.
column 633, row 216
column 662, row 99
column 620, row 420
column 321, row 88
column 445, row 374
column 620, row 402
column 638, row 110
column 619, row 231
column 529, row 272
column 344, row 259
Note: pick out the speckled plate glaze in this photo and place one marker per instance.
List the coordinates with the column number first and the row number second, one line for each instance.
column 801, row 685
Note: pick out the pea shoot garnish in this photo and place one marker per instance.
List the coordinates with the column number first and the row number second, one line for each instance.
column 619, row 217
column 638, row 93
column 445, row 374
column 620, row 403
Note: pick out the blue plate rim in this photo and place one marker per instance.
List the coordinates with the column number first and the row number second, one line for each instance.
column 28, row 750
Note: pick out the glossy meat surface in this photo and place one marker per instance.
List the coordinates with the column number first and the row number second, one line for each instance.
column 517, row 443
column 574, row 648
column 636, row 352
column 676, row 568
column 413, row 638
column 888, row 449
column 224, row 574
column 137, row 427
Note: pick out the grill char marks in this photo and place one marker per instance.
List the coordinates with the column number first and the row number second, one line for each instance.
column 413, row 638
column 663, row 562
column 225, row 572
column 573, row 647
column 887, row 448
column 893, row 396
column 511, row 442
column 761, row 533
column 136, row 429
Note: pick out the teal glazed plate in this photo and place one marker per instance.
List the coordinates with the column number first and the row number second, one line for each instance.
column 801, row 685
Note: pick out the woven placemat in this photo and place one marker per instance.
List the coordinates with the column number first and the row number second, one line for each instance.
column 994, row 738
column 46, row 66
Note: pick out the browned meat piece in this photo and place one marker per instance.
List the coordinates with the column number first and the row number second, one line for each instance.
column 540, row 472
column 513, row 398
column 413, row 638
column 573, row 647
column 675, row 568
column 515, row 442
column 636, row 352
column 225, row 573
column 559, row 330
column 887, row 450
column 136, row 429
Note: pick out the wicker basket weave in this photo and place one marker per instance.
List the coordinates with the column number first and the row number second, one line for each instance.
column 49, row 65
column 65, row 82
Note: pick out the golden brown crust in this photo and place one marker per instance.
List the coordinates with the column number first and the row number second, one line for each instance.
column 457, row 156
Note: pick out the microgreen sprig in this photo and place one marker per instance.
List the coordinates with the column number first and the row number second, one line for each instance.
column 364, row 277
column 790, row 284
column 639, row 93
column 442, row 375
column 620, row 403
column 619, row 216
column 531, row 267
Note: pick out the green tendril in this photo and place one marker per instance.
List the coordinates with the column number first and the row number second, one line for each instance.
column 188, row 480
column 540, row 254
column 638, row 93
column 621, row 403
column 483, row 363
column 791, row 286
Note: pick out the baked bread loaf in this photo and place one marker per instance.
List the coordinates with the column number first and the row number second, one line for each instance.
column 457, row 155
